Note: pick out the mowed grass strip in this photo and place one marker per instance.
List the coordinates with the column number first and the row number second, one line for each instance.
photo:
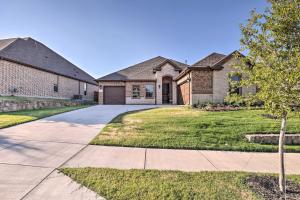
column 13, row 118
column 186, row 128
column 153, row 184
column 174, row 185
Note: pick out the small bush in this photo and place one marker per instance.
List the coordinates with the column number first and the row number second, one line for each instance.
column 235, row 100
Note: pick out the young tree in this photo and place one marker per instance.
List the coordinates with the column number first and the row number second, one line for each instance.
column 272, row 41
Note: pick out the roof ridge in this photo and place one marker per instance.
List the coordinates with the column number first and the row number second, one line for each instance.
column 141, row 63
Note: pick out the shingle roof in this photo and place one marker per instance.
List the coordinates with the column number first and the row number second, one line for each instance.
column 141, row 71
column 30, row 52
column 4, row 43
column 209, row 60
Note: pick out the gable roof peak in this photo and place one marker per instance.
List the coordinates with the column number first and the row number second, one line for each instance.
column 209, row 60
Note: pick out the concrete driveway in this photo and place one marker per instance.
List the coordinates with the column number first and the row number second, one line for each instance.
column 31, row 152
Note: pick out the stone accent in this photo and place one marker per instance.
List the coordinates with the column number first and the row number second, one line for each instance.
column 290, row 139
column 16, row 105
column 166, row 70
column 27, row 81
column 221, row 83
column 201, row 98
column 202, row 82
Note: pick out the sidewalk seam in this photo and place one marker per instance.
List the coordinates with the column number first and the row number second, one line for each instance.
column 145, row 158
column 208, row 160
column 1, row 163
column 53, row 171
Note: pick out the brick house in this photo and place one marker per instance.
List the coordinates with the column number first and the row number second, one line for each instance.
column 29, row 68
column 165, row 81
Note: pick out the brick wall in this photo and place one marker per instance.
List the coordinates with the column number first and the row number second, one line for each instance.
column 37, row 83
column 202, row 82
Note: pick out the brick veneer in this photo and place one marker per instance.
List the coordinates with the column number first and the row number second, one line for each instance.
column 37, row 83
column 202, row 82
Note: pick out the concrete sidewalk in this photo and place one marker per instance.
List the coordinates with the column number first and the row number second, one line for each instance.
column 185, row 160
column 31, row 152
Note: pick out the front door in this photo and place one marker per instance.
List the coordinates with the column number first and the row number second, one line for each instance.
column 165, row 93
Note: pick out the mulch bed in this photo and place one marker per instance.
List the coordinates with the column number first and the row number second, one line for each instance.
column 267, row 187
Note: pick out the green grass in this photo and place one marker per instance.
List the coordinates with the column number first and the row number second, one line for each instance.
column 186, row 128
column 13, row 118
column 153, row 184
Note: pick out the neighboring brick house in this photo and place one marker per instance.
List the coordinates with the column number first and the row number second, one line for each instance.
column 29, row 68
column 165, row 81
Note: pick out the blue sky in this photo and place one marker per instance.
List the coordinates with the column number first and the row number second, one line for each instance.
column 102, row 36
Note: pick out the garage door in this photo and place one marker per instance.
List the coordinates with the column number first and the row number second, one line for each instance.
column 184, row 94
column 114, row 95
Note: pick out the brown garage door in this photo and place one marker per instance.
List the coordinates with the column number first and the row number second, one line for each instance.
column 184, row 94
column 114, row 95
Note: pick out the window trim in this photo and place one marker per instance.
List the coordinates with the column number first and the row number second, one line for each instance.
column 139, row 92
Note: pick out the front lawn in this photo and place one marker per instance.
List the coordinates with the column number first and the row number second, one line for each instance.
column 186, row 128
column 153, row 184
column 13, row 118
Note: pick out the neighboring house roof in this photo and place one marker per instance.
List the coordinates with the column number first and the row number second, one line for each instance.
column 143, row 71
column 30, row 52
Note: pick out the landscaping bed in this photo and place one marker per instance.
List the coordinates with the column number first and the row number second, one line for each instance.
column 185, row 128
column 267, row 187
column 153, row 184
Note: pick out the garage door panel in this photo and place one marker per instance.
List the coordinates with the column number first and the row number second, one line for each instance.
column 114, row 95
column 184, row 92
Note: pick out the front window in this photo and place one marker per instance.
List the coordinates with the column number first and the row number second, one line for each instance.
column 135, row 91
column 234, row 84
column 149, row 91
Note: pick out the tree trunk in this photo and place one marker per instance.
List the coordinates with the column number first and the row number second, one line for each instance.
column 282, row 180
